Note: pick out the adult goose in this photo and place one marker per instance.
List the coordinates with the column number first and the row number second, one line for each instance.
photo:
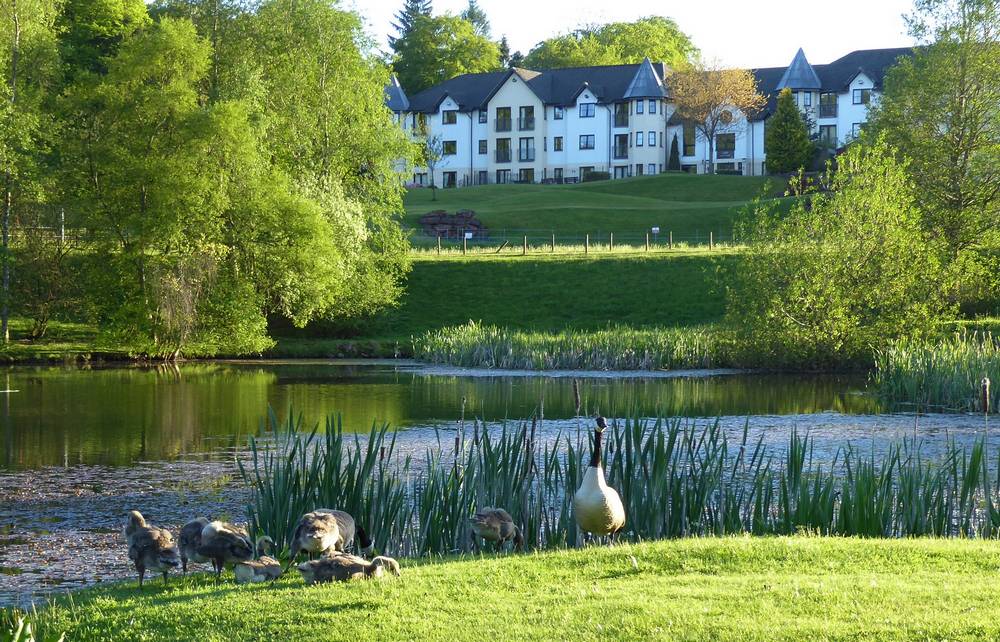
column 599, row 510
column 324, row 531
column 342, row 567
column 495, row 525
column 224, row 543
column 149, row 547
column 190, row 540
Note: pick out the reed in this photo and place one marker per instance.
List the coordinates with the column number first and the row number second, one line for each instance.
column 939, row 376
column 677, row 478
column 476, row 345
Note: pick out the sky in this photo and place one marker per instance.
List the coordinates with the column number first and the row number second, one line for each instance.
column 736, row 33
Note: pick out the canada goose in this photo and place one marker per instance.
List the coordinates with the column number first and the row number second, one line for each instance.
column 190, row 540
column 598, row 507
column 344, row 566
column 261, row 569
column 223, row 544
column 495, row 525
column 325, row 530
column 150, row 547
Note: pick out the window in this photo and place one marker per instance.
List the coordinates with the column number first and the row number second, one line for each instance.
column 526, row 175
column 420, row 178
column 587, row 110
column 450, row 179
column 502, row 121
column 482, row 116
column 651, row 139
column 557, row 144
column 449, row 148
column 807, row 99
column 557, row 174
column 586, row 141
column 420, row 122
column 725, row 146
column 638, row 139
column 862, row 96
column 503, row 176
column 828, row 105
column 621, row 114
column 638, row 169
column 651, row 169
column 585, row 170
column 638, row 106
column 526, row 150
column 483, row 177
column 621, row 146
column 557, row 113
column 689, row 140
column 828, row 135
column 652, row 106
column 621, row 171
column 503, row 150
column 449, row 117
column 689, row 169
column 856, row 129
column 526, row 118
column 482, row 146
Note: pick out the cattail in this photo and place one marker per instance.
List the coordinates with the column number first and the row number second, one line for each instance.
column 576, row 395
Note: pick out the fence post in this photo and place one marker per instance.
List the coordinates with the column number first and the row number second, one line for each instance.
column 524, row 248
column 711, row 240
column 611, row 242
column 465, row 243
column 439, row 245
column 586, row 244
column 553, row 242
column 670, row 243
column 647, row 241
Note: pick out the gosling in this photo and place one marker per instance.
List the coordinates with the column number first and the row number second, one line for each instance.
column 344, row 567
column 190, row 540
column 324, row 531
column 262, row 569
column 223, row 544
column 150, row 547
column 495, row 525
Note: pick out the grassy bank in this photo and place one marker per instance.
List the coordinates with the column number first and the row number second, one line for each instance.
column 747, row 589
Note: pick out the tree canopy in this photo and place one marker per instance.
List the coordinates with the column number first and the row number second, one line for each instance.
column 616, row 43
column 441, row 47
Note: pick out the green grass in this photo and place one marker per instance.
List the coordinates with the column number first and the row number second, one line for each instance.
column 63, row 342
column 746, row 589
column 688, row 205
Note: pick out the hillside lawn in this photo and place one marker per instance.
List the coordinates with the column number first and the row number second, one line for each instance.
column 688, row 205
column 746, row 589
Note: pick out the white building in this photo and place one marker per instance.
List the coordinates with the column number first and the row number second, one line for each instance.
column 557, row 125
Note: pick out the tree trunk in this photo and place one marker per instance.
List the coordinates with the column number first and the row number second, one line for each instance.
column 9, row 186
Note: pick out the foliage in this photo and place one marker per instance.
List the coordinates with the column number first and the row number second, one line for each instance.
column 474, row 14
column 91, row 31
column 941, row 106
column 594, row 176
column 786, row 139
column 616, row 43
column 844, row 273
column 714, row 98
column 432, row 153
column 674, row 161
column 407, row 17
column 47, row 283
column 438, row 48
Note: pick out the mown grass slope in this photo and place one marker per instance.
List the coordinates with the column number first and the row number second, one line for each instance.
column 746, row 589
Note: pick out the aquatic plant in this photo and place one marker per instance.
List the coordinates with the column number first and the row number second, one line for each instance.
column 677, row 478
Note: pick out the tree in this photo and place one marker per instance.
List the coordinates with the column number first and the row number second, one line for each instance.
column 91, row 31
column 475, row 15
column 517, row 59
column 674, row 162
column 942, row 107
column 439, row 48
column 407, row 17
column 616, row 43
column 504, row 48
column 786, row 139
column 712, row 98
column 433, row 151
column 841, row 274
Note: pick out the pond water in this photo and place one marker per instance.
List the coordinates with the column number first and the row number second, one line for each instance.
column 69, row 416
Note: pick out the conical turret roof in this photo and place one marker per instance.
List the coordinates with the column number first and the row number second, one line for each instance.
column 799, row 75
column 646, row 83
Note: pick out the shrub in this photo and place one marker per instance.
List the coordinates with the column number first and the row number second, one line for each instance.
column 590, row 177
column 786, row 138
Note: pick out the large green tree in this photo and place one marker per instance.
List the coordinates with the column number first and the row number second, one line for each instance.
column 474, row 14
column 659, row 39
column 786, row 139
column 842, row 273
column 942, row 108
column 91, row 30
column 407, row 17
column 441, row 47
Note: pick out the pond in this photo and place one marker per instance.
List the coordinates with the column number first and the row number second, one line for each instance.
column 69, row 416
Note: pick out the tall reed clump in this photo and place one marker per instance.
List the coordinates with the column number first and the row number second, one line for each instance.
column 943, row 375
column 676, row 478
column 476, row 345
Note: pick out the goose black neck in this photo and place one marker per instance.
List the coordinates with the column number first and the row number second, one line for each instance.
column 595, row 458
column 363, row 538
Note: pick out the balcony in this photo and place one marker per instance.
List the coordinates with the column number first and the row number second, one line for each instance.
column 502, row 155
column 621, row 120
column 828, row 111
column 725, row 153
column 621, row 152
column 503, row 124
column 526, row 155
column 526, row 124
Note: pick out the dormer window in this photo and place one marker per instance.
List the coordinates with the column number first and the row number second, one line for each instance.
column 862, row 96
column 449, row 117
column 587, row 110
column 557, row 113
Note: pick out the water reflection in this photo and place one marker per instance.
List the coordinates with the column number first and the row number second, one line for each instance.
column 65, row 416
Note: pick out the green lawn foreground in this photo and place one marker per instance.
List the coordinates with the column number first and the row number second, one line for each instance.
column 797, row 588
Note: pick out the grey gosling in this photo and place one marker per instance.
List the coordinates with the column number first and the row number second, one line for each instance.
column 344, row 566
column 190, row 540
column 223, row 544
column 150, row 547
column 326, row 530
column 262, row 569
column 495, row 525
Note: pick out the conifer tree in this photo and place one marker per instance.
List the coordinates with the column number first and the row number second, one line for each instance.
column 786, row 139
column 674, row 162
column 407, row 16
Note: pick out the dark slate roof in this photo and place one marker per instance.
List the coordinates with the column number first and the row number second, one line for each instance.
column 799, row 75
column 646, row 83
column 395, row 97
column 552, row 86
